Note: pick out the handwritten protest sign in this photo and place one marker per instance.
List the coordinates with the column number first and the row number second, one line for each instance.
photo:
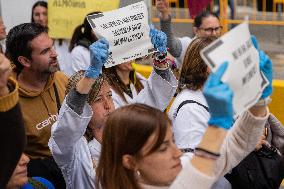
column 243, row 74
column 127, row 31
column 65, row 15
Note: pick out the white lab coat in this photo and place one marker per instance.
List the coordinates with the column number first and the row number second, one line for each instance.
column 72, row 154
column 75, row 159
column 70, row 148
column 160, row 96
column 190, row 123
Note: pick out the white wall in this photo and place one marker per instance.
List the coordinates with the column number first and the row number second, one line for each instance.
column 15, row 12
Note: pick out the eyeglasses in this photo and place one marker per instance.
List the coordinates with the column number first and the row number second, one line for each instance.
column 210, row 30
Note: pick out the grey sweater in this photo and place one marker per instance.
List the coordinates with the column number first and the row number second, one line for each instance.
column 174, row 44
column 177, row 46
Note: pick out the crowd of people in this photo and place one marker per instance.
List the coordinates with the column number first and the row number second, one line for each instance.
column 69, row 122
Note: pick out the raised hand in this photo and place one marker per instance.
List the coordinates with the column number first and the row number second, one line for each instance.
column 159, row 40
column 219, row 97
column 163, row 7
column 99, row 55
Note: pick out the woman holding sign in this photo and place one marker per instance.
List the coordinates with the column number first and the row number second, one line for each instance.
column 138, row 152
column 76, row 137
column 126, row 83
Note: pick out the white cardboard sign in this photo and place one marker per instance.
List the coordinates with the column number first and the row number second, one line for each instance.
column 243, row 74
column 127, row 31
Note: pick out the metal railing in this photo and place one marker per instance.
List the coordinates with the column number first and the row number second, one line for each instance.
column 249, row 8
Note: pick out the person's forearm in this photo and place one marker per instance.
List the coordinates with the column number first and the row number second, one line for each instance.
column 76, row 97
column 76, row 101
column 173, row 43
column 212, row 141
column 165, row 15
column 259, row 111
column 85, row 85
column 165, row 74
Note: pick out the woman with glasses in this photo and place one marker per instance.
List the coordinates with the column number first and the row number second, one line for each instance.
column 205, row 24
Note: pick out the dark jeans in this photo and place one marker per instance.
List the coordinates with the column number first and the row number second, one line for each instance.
column 48, row 169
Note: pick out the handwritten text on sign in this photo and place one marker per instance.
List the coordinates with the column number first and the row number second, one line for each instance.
column 243, row 74
column 127, row 31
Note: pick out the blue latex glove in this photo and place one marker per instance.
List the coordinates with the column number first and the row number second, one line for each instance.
column 219, row 97
column 159, row 40
column 265, row 65
column 99, row 55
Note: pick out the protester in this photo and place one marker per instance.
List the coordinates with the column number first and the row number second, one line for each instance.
column 262, row 168
column 39, row 15
column 83, row 36
column 87, row 106
column 12, row 131
column 20, row 180
column 205, row 24
column 126, row 83
column 41, row 91
column 189, row 111
column 138, row 149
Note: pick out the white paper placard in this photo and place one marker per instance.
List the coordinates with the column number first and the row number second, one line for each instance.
column 243, row 74
column 127, row 31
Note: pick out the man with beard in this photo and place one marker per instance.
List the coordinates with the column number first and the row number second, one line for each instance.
column 41, row 91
